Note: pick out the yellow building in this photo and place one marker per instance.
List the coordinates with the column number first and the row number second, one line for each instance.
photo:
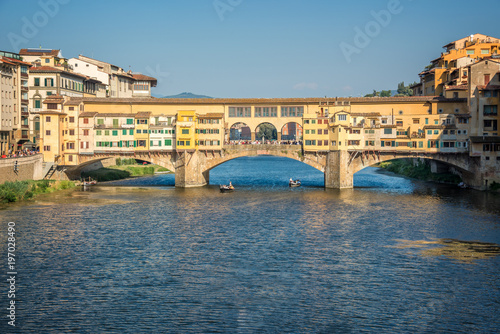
column 141, row 136
column 447, row 75
column 186, row 130
column 52, row 130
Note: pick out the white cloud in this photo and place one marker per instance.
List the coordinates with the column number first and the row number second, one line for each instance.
column 306, row 85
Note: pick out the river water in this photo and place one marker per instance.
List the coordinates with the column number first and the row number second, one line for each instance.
column 392, row 255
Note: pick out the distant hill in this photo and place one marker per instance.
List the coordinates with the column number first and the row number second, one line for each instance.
column 186, row 95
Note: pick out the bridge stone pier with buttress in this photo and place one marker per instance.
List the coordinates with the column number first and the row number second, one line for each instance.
column 192, row 168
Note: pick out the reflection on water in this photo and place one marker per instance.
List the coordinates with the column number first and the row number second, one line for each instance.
column 466, row 251
column 145, row 256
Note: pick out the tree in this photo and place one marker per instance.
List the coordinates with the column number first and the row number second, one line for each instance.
column 385, row 93
column 405, row 90
column 268, row 131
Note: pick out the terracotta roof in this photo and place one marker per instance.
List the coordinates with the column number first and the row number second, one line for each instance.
column 389, row 126
column 365, row 114
column 17, row 61
column 489, row 87
column 25, row 52
column 283, row 101
column 132, row 115
column 50, row 112
column 212, row 115
column 142, row 77
column 88, row 114
column 5, row 61
column 143, row 114
column 460, row 87
column 71, row 103
column 54, row 99
column 50, row 69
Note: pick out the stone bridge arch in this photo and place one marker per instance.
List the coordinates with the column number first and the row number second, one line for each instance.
column 468, row 167
column 163, row 159
column 286, row 151
column 193, row 169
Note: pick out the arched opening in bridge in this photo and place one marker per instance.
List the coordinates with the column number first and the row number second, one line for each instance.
column 291, row 131
column 265, row 172
column 240, row 131
column 423, row 169
column 266, row 132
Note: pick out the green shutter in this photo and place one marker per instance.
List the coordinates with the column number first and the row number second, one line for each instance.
column 124, row 132
column 135, row 143
column 131, row 132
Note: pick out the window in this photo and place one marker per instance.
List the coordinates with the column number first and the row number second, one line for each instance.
column 98, row 132
column 130, row 121
column 426, row 121
column 47, row 119
column 85, row 121
column 440, row 111
column 144, row 131
column 124, row 132
column 399, row 123
column 185, row 131
column 115, row 132
column 100, row 121
column 485, row 51
column 47, row 132
column 342, row 117
column 37, row 82
column 416, row 121
column 130, row 132
column 470, row 52
column 188, row 143
column 38, row 103
column 320, row 132
column 240, row 112
column 71, row 132
column 106, row 132
column 115, row 122
column 85, row 132
column 168, row 142
column 490, row 110
column 72, row 119
column 46, row 148
column 388, row 131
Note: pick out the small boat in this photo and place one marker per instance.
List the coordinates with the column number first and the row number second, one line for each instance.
column 226, row 188
column 294, row 183
column 89, row 182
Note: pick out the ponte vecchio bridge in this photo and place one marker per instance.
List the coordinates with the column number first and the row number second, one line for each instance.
column 337, row 137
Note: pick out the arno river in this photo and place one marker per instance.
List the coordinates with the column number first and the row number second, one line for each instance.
column 391, row 255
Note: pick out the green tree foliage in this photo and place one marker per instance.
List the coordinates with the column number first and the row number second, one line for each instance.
column 405, row 90
column 268, row 131
column 385, row 93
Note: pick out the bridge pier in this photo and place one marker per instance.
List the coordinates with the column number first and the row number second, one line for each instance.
column 338, row 174
column 189, row 170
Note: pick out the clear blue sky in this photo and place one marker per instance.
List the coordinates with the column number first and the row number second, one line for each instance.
column 252, row 48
